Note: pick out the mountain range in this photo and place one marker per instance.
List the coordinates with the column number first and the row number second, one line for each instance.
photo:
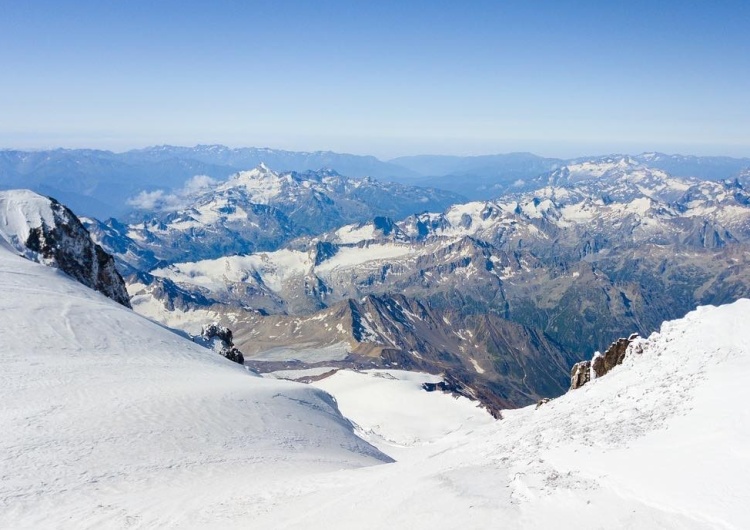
column 102, row 183
column 111, row 420
column 256, row 210
column 593, row 250
column 599, row 249
column 591, row 254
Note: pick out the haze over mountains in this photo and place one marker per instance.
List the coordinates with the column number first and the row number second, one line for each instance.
column 100, row 183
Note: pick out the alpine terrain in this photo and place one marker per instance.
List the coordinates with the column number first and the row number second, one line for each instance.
column 503, row 296
column 113, row 421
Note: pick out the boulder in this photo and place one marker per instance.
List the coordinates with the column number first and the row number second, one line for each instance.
column 219, row 339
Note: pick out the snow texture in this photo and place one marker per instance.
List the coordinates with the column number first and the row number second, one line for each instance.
column 109, row 420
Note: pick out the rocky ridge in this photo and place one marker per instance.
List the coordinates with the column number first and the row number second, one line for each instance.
column 43, row 230
column 603, row 363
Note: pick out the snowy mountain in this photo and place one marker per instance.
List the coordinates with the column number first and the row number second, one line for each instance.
column 603, row 248
column 259, row 209
column 110, row 420
column 99, row 183
column 42, row 230
column 150, row 430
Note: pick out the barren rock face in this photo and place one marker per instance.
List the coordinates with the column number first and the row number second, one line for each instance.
column 580, row 374
column 219, row 339
column 601, row 363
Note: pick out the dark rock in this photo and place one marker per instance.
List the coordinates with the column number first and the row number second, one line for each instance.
column 601, row 364
column 580, row 374
column 219, row 339
column 443, row 386
column 68, row 246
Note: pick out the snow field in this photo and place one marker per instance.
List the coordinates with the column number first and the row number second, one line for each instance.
column 110, row 420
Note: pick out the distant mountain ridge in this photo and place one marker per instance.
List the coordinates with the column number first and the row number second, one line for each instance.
column 259, row 210
column 98, row 183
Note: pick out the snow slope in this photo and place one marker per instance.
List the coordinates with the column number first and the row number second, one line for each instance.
column 20, row 212
column 393, row 411
column 660, row 442
column 109, row 420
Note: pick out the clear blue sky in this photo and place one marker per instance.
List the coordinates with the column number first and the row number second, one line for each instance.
column 380, row 77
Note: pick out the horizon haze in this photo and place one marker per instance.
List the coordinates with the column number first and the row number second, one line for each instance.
column 556, row 79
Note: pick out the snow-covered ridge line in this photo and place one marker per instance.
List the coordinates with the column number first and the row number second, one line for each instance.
column 255, row 210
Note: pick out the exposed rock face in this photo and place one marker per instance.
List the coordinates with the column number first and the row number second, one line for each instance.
column 440, row 385
column 580, row 374
column 601, row 364
column 612, row 357
column 219, row 339
column 44, row 230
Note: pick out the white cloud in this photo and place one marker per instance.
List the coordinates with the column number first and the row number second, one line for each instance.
column 161, row 200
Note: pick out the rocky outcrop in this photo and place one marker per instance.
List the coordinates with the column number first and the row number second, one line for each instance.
column 601, row 364
column 443, row 386
column 44, row 230
column 219, row 339
column 580, row 374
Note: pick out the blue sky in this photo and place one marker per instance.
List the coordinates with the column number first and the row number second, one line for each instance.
column 386, row 78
